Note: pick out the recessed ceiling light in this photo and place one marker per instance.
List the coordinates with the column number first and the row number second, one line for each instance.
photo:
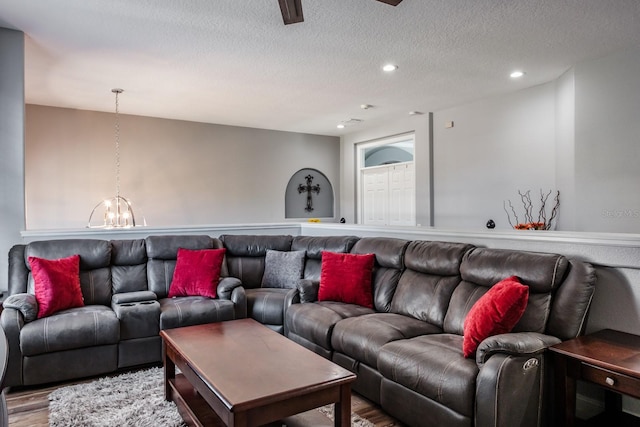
column 366, row 106
column 340, row 126
column 517, row 74
column 389, row 68
column 415, row 113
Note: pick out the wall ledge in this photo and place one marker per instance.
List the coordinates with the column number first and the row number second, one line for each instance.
column 144, row 231
column 610, row 249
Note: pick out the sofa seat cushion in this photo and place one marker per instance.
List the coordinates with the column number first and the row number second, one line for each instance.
column 362, row 337
column 266, row 305
column 195, row 310
column 79, row 327
column 315, row 321
column 433, row 366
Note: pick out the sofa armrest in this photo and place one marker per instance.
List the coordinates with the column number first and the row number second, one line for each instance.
column 514, row 344
column 239, row 299
column 129, row 297
column 226, row 287
column 12, row 321
column 292, row 297
column 26, row 304
column 308, row 290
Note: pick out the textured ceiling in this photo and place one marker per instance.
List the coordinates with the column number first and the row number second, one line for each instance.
column 234, row 62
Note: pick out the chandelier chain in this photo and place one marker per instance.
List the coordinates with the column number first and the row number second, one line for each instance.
column 117, row 211
column 117, row 138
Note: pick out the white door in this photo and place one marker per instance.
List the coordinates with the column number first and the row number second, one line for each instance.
column 375, row 195
column 389, row 195
column 402, row 209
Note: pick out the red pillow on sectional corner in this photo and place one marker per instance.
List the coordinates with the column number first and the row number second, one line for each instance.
column 496, row 312
column 346, row 278
column 56, row 284
column 197, row 272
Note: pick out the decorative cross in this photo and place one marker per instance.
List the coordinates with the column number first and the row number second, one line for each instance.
column 309, row 189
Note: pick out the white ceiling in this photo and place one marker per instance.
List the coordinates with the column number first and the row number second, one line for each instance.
column 235, row 62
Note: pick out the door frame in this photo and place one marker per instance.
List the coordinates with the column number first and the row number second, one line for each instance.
column 360, row 157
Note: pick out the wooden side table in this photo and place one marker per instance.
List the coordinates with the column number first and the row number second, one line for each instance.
column 608, row 358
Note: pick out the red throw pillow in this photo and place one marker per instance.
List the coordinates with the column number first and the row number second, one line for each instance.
column 496, row 312
column 56, row 284
column 346, row 278
column 197, row 273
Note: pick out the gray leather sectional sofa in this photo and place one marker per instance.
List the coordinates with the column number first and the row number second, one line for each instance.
column 406, row 350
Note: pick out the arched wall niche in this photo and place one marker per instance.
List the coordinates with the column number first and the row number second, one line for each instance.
column 297, row 204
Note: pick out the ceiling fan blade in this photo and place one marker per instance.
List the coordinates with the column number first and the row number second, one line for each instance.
column 291, row 11
column 391, row 2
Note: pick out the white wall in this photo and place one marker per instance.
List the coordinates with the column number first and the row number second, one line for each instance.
column 608, row 143
column 579, row 134
column 175, row 172
column 565, row 149
column 495, row 148
column 418, row 124
column 11, row 144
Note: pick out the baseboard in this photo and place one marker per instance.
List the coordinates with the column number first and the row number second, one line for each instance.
column 631, row 405
column 588, row 407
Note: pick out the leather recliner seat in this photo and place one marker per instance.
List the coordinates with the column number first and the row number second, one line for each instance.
column 124, row 285
column 312, row 324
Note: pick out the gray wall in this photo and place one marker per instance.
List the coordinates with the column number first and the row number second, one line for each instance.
column 566, row 149
column 496, row 147
column 11, row 144
column 579, row 134
column 174, row 172
column 607, row 133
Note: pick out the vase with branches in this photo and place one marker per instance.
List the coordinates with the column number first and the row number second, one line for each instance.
column 531, row 223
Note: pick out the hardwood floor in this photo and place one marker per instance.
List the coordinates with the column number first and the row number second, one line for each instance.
column 29, row 407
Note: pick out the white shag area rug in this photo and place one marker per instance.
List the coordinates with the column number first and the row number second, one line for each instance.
column 136, row 399
column 131, row 399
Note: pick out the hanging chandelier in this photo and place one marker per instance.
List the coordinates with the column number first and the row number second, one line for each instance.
column 116, row 211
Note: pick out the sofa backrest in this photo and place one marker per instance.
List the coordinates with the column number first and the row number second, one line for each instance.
column 570, row 305
column 128, row 265
column 95, row 260
column 314, row 246
column 18, row 271
column 545, row 274
column 432, row 273
column 245, row 255
column 162, row 252
column 387, row 269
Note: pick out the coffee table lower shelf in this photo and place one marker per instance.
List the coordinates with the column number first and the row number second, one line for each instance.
column 195, row 411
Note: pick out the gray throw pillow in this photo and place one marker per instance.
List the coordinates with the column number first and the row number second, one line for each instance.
column 283, row 269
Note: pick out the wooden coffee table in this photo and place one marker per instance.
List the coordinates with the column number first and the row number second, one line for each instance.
column 242, row 373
